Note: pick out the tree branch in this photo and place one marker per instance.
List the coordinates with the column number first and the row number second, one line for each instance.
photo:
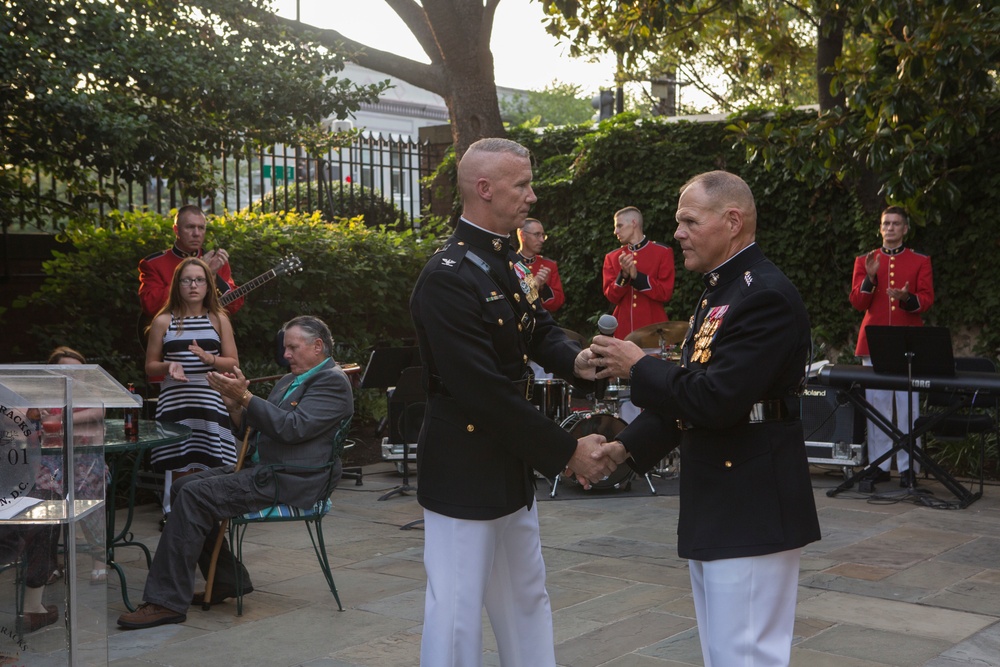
column 429, row 77
column 415, row 18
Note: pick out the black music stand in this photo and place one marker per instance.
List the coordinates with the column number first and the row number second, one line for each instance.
column 892, row 350
column 923, row 353
column 386, row 364
column 409, row 390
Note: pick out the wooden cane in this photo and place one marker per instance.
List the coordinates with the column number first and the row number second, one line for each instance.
column 206, row 604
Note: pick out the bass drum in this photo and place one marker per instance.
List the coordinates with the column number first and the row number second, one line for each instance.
column 580, row 424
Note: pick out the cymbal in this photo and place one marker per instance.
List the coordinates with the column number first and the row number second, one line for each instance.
column 575, row 337
column 661, row 333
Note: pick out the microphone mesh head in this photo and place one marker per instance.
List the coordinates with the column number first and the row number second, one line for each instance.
column 607, row 324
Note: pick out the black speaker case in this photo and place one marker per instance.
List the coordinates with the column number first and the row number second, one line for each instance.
column 840, row 442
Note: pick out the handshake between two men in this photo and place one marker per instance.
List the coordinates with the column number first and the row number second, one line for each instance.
column 595, row 457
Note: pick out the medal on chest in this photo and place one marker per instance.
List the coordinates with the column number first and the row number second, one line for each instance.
column 706, row 334
column 526, row 281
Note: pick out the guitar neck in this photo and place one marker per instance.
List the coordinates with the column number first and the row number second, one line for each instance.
column 247, row 287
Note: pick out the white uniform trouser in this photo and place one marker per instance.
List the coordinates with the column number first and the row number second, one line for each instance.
column 540, row 373
column 878, row 441
column 497, row 564
column 746, row 609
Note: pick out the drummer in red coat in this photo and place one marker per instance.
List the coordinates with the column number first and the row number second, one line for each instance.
column 157, row 270
column 892, row 285
column 544, row 271
column 639, row 276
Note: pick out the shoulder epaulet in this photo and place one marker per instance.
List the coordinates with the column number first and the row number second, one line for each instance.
column 450, row 255
column 154, row 255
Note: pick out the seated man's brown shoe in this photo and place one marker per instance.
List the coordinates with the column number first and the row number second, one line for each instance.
column 38, row 621
column 149, row 615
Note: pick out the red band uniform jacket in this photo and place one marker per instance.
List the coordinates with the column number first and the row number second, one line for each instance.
column 157, row 270
column 895, row 269
column 745, row 490
column 639, row 302
column 551, row 293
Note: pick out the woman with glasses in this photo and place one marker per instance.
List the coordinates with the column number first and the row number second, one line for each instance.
column 190, row 336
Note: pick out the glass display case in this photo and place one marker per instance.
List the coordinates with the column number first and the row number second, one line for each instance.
column 53, row 606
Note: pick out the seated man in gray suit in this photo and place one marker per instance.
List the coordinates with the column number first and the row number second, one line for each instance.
column 295, row 426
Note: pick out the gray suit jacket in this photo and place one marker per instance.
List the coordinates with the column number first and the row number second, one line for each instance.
column 299, row 431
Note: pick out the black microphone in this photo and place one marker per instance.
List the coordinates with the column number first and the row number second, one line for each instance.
column 606, row 324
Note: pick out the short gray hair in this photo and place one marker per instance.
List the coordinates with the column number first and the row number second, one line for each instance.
column 313, row 328
column 499, row 145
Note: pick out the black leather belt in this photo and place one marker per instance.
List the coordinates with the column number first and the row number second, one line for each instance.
column 525, row 386
column 768, row 410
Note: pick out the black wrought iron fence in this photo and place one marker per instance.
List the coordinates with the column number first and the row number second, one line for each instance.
column 377, row 174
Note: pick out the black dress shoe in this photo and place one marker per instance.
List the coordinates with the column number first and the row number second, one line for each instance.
column 38, row 621
column 218, row 595
column 879, row 475
column 907, row 479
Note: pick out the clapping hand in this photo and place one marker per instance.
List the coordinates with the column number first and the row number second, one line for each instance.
column 216, row 259
column 871, row 265
column 230, row 386
column 900, row 295
column 628, row 265
column 176, row 371
column 204, row 357
column 542, row 276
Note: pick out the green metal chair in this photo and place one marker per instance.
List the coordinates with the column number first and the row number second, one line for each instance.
column 280, row 513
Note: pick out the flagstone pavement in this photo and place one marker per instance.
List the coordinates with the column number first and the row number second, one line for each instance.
column 894, row 581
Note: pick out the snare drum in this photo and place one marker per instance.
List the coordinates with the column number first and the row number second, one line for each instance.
column 580, row 424
column 551, row 397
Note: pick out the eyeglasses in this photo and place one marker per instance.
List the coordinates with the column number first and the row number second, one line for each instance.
column 187, row 282
column 541, row 235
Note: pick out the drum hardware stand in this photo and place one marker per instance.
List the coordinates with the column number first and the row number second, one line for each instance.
column 649, row 481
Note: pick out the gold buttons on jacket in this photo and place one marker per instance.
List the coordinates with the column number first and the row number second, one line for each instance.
column 500, row 321
column 470, row 428
column 728, row 464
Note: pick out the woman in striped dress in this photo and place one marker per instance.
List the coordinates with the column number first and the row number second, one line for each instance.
column 190, row 336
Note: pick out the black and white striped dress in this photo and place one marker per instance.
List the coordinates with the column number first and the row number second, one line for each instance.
column 193, row 403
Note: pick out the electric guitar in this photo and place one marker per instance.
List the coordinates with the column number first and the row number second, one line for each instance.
column 289, row 264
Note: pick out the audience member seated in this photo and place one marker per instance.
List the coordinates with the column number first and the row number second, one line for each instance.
column 295, row 425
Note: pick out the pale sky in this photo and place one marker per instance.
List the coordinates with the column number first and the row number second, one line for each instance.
column 525, row 56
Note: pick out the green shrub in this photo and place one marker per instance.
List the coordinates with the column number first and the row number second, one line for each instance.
column 356, row 278
column 334, row 202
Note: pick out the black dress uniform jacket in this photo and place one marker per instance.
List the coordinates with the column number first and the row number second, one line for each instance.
column 481, row 437
column 744, row 487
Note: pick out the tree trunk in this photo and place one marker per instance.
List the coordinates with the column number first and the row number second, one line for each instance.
column 456, row 37
column 829, row 46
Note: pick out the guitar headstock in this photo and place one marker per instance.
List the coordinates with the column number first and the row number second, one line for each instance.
column 290, row 264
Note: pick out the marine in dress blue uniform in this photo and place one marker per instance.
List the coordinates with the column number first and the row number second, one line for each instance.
column 746, row 500
column 478, row 320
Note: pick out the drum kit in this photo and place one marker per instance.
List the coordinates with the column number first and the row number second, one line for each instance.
column 552, row 398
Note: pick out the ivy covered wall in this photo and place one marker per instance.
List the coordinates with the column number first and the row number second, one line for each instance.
column 811, row 232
